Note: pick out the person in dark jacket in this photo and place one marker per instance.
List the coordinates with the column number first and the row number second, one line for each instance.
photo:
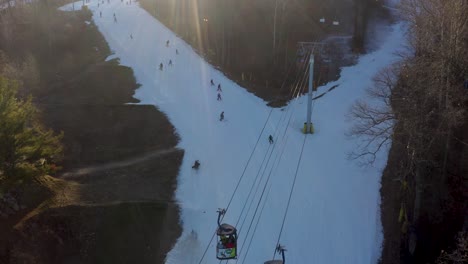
column 196, row 164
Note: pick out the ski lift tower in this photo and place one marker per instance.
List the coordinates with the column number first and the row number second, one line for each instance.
column 313, row 49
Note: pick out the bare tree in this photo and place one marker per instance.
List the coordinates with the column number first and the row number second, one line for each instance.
column 374, row 119
column 459, row 255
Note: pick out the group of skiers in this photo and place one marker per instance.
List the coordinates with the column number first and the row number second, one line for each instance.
column 218, row 90
column 108, row 1
column 219, row 98
column 161, row 65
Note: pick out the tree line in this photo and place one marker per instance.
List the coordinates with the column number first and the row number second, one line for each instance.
column 422, row 112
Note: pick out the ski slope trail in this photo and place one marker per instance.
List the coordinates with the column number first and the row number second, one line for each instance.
column 334, row 211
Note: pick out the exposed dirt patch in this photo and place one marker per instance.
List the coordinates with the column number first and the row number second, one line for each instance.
column 113, row 200
column 119, row 233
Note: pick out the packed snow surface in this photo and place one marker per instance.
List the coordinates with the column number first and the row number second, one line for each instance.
column 334, row 209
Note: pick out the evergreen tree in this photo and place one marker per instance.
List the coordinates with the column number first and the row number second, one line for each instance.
column 27, row 149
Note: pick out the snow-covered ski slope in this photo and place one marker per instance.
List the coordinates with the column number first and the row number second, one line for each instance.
column 334, row 211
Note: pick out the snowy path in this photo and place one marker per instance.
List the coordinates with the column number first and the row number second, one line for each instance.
column 117, row 164
column 334, row 216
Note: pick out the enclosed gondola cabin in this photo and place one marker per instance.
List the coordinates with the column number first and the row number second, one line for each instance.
column 227, row 242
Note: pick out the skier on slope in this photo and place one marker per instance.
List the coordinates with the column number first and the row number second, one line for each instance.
column 131, row 36
column 221, row 116
column 270, row 139
column 177, row 52
column 219, row 88
column 170, row 62
column 161, row 66
column 211, row 82
column 167, row 43
column 196, row 164
column 219, row 97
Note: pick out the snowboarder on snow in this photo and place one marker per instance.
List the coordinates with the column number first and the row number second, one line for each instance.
column 219, row 97
column 221, row 116
column 270, row 139
column 170, row 62
column 212, row 83
column 196, row 164
column 160, row 66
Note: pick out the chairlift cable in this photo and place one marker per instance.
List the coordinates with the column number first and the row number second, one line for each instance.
column 271, row 171
column 295, row 92
column 263, row 206
column 297, row 88
column 243, row 172
column 291, row 192
column 261, row 165
column 299, row 84
column 293, row 185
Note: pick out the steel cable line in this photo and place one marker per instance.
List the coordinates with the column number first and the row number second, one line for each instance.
column 277, row 164
column 243, row 172
column 261, row 165
column 269, row 176
column 296, row 88
column 238, row 183
column 264, row 203
column 294, row 91
column 291, row 192
column 292, row 187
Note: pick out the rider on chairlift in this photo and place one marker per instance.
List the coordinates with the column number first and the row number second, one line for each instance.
column 227, row 239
